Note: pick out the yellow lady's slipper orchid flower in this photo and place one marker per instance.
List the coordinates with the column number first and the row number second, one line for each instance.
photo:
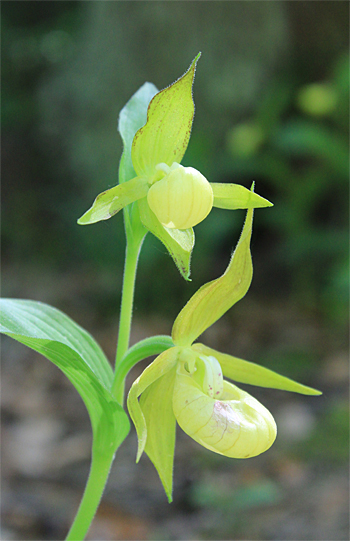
column 185, row 383
column 170, row 198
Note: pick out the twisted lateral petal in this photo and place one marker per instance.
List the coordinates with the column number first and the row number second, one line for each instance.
column 160, row 366
column 179, row 243
column 112, row 201
column 165, row 136
column 235, row 196
column 236, row 426
column 253, row 374
column 157, row 408
column 213, row 299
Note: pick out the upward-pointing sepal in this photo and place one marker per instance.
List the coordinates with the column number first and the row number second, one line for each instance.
column 213, row 299
column 165, row 136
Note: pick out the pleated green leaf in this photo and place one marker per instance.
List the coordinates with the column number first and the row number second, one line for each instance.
column 58, row 338
column 253, row 374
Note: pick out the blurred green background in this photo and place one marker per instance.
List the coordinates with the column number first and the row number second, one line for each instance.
column 272, row 105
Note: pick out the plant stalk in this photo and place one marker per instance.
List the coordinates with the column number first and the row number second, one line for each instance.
column 100, row 467
column 143, row 349
column 131, row 259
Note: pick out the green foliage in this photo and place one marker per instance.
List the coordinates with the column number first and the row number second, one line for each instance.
column 302, row 158
column 329, row 441
column 53, row 334
column 263, row 492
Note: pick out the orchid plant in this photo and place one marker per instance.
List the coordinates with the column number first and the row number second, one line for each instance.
column 185, row 382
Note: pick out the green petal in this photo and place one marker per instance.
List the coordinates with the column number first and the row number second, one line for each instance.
column 156, row 405
column 179, row 243
column 253, row 374
column 165, row 136
column 235, row 196
column 213, row 299
column 112, row 201
column 160, row 366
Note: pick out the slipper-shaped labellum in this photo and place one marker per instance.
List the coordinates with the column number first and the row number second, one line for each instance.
column 182, row 198
column 232, row 423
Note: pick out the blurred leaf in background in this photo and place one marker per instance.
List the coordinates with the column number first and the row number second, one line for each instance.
column 297, row 146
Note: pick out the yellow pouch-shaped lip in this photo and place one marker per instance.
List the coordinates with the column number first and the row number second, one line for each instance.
column 182, row 198
column 236, row 425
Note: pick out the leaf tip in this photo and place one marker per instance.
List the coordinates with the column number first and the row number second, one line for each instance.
column 314, row 392
column 168, row 487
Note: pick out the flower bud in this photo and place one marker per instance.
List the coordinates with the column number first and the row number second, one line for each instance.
column 182, row 198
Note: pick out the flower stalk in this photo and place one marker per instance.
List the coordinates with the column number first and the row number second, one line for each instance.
column 101, row 464
column 132, row 253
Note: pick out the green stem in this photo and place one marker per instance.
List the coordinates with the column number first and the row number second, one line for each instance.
column 131, row 259
column 98, row 476
column 102, row 461
column 143, row 349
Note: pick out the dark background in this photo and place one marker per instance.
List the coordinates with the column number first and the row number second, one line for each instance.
column 67, row 70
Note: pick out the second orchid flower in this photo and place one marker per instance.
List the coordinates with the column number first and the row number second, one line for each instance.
column 185, row 383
